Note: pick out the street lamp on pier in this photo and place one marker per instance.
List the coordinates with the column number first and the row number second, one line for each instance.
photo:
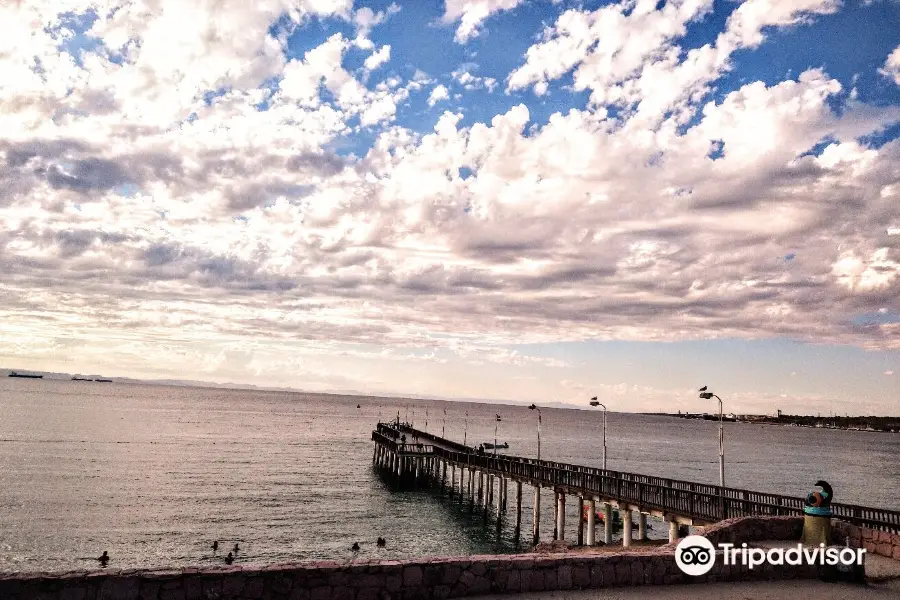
column 706, row 395
column 466, row 430
column 535, row 407
column 594, row 402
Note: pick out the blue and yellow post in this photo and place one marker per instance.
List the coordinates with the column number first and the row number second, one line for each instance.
column 817, row 515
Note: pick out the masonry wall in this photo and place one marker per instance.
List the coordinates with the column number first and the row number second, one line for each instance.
column 427, row 579
column 753, row 529
column 437, row 579
column 874, row 541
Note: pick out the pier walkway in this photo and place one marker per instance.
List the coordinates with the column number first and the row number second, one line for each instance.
column 410, row 454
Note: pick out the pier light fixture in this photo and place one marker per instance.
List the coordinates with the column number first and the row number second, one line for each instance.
column 535, row 407
column 595, row 402
column 707, row 395
column 466, row 430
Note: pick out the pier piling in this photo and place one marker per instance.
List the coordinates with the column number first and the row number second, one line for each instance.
column 626, row 527
column 561, row 516
column 518, row 530
column 580, row 520
column 591, row 521
column 607, row 523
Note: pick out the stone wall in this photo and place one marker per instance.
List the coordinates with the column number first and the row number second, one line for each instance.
column 874, row 541
column 753, row 529
column 432, row 579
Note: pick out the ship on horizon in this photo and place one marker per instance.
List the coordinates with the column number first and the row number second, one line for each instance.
column 25, row 375
column 77, row 378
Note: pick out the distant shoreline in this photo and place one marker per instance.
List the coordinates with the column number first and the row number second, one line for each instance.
column 845, row 423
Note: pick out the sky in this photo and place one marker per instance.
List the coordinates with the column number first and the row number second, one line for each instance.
column 520, row 200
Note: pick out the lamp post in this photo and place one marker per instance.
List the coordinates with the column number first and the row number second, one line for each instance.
column 534, row 407
column 444, row 422
column 466, row 429
column 594, row 402
column 706, row 396
column 496, row 425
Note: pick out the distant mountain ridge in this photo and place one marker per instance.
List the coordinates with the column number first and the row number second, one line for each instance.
column 55, row 376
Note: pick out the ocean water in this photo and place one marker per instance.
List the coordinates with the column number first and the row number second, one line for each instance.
column 154, row 474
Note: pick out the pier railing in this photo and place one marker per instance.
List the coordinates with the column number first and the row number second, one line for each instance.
column 696, row 500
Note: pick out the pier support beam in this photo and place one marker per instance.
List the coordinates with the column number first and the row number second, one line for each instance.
column 626, row 527
column 518, row 509
column 481, row 486
column 463, row 490
column 642, row 526
column 580, row 520
column 505, row 492
column 490, row 487
column 673, row 531
column 536, row 518
column 607, row 523
column 561, row 516
column 591, row 522
column 555, row 515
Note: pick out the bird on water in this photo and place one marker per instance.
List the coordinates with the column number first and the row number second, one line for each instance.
column 104, row 558
column 355, row 546
column 215, row 545
column 229, row 559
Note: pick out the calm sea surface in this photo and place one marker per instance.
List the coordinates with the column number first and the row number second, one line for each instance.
column 155, row 474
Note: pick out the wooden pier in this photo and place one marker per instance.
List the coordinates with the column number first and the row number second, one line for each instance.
column 433, row 460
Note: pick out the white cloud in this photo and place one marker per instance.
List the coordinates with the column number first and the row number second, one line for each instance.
column 210, row 195
column 627, row 55
column 473, row 82
column 891, row 68
column 365, row 19
column 437, row 94
column 378, row 58
column 472, row 13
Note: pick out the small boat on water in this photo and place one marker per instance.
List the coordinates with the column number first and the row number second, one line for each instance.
column 489, row 446
column 81, row 379
column 25, row 375
column 103, row 380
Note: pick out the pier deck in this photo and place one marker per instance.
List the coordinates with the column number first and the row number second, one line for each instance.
column 425, row 456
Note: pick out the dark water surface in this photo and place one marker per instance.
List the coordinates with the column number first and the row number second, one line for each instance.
column 154, row 474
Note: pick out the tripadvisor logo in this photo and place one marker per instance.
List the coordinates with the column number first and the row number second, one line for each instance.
column 695, row 555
